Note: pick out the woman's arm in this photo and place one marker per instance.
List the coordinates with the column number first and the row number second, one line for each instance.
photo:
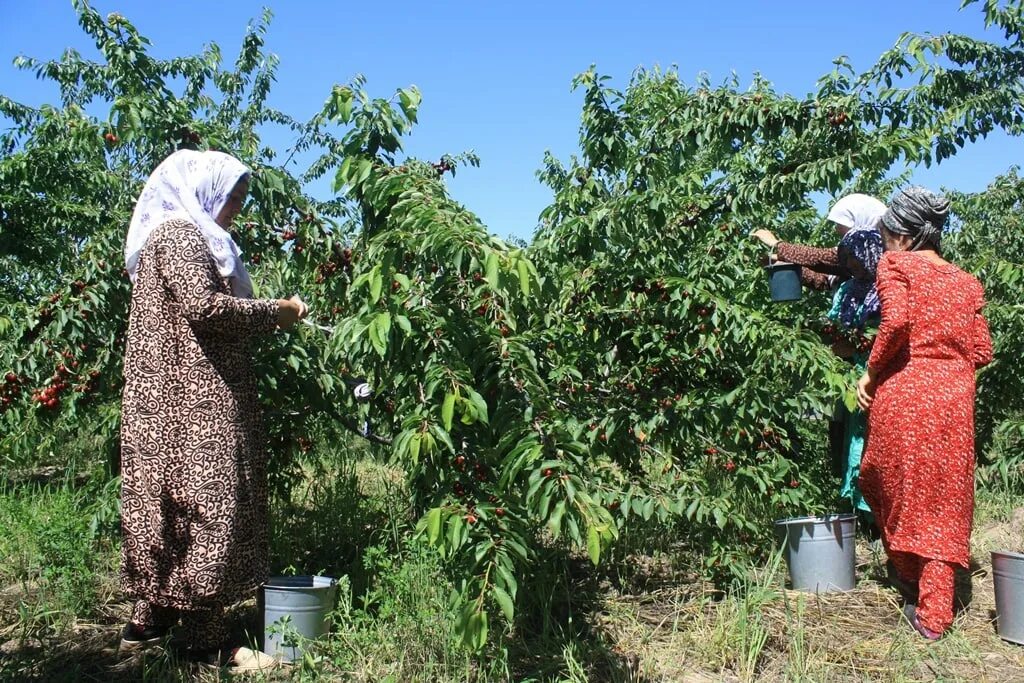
column 981, row 339
column 815, row 280
column 184, row 262
column 818, row 259
column 894, row 331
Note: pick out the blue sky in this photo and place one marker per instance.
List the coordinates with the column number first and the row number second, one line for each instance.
column 496, row 76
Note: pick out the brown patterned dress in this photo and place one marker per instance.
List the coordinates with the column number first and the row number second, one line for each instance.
column 194, row 494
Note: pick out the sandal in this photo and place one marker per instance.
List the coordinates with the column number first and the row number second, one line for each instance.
column 910, row 612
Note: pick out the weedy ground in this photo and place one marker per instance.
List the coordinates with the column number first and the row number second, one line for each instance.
column 644, row 617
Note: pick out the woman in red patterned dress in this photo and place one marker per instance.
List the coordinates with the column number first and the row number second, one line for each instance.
column 918, row 468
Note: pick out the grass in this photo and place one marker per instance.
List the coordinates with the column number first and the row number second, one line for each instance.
column 644, row 617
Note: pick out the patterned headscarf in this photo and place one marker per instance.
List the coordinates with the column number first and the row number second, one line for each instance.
column 191, row 186
column 919, row 214
column 860, row 300
column 857, row 211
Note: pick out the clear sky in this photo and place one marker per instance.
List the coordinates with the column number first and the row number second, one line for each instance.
column 496, row 76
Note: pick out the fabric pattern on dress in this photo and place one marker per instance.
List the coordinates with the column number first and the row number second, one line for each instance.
column 918, row 469
column 194, row 492
column 854, row 422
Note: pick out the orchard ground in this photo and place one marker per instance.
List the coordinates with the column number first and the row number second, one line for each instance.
column 643, row 616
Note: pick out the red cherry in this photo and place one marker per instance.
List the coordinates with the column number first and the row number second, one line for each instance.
column 730, row 466
column 547, row 472
column 711, row 450
column 470, row 518
column 794, row 483
column 11, row 378
column 499, row 511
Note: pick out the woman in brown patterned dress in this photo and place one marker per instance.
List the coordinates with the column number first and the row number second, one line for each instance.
column 194, row 493
column 821, row 268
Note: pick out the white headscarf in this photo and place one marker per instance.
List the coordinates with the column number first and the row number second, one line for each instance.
column 857, row 211
column 191, row 186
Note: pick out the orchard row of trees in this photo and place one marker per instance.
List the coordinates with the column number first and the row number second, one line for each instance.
column 625, row 367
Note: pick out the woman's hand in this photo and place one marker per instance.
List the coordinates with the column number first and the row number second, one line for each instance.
column 767, row 237
column 290, row 311
column 866, row 391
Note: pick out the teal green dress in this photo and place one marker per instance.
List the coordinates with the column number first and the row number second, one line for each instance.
column 856, row 423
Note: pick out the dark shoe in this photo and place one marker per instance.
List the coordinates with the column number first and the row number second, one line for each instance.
column 909, row 591
column 910, row 612
column 138, row 638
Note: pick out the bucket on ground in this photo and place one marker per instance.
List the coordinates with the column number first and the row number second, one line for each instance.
column 784, row 281
column 294, row 605
column 820, row 552
column 1008, row 582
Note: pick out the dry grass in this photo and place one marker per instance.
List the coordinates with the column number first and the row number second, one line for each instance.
column 688, row 633
column 670, row 629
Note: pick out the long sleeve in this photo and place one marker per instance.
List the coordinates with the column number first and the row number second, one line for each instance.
column 982, row 340
column 815, row 280
column 894, row 331
column 818, row 259
column 187, row 269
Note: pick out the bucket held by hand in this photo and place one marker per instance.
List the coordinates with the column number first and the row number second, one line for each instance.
column 784, row 281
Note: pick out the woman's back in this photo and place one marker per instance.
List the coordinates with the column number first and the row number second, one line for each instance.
column 933, row 312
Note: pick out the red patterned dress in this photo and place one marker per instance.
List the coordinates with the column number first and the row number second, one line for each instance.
column 918, row 468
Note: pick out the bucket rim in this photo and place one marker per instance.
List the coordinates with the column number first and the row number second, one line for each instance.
column 782, row 265
column 1008, row 553
column 326, row 582
column 817, row 519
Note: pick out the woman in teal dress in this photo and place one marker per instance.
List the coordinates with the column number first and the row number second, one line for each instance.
column 856, row 310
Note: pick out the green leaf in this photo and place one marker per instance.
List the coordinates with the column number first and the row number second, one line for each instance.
column 491, row 269
column 594, row 544
column 376, row 284
column 448, row 410
column 504, row 602
column 383, row 321
column 524, row 277
column 555, row 522
column 414, row 446
column 434, row 525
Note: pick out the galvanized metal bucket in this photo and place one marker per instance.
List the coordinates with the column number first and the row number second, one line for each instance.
column 784, row 281
column 820, row 552
column 1008, row 582
column 298, row 606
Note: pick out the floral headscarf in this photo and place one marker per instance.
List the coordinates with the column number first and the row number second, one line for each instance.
column 919, row 214
column 191, row 186
column 860, row 300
